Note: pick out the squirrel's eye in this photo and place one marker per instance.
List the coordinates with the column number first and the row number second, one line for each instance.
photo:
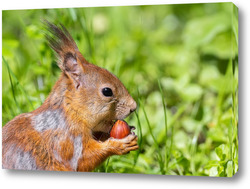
column 107, row 91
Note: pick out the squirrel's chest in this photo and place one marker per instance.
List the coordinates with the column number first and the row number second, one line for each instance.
column 61, row 144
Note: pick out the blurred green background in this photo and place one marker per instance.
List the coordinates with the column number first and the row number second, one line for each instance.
column 180, row 63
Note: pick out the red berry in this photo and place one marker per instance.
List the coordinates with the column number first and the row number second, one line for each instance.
column 120, row 130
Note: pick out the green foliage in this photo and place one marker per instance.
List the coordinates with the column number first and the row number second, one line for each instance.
column 180, row 63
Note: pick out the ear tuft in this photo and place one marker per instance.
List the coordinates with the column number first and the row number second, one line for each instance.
column 69, row 57
column 59, row 38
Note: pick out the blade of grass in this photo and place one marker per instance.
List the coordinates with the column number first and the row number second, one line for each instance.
column 139, row 131
column 152, row 135
column 166, row 125
column 18, row 83
column 118, row 66
column 83, row 22
column 12, row 86
column 139, row 134
column 233, row 130
column 175, row 117
column 107, row 165
column 235, row 119
column 73, row 14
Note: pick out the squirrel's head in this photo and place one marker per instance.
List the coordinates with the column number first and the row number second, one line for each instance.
column 94, row 94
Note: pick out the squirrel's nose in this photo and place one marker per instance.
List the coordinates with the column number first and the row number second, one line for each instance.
column 133, row 106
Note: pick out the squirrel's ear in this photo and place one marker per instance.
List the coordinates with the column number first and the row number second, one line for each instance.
column 69, row 57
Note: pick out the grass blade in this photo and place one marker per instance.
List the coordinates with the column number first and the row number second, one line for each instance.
column 166, row 125
column 12, row 86
column 17, row 83
column 153, row 137
column 139, row 134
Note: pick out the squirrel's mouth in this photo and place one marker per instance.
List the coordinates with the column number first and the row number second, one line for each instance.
column 100, row 136
column 103, row 135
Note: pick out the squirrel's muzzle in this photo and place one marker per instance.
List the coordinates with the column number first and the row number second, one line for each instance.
column 133, row 106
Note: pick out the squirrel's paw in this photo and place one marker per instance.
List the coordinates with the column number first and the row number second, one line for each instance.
column 125, row 145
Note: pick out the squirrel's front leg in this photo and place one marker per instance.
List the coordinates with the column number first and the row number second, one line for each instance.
column 96, row 152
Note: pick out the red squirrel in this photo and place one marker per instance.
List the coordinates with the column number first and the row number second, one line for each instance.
column 59, row 135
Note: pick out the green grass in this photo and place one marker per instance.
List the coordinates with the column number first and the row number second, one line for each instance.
column 179, row 62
